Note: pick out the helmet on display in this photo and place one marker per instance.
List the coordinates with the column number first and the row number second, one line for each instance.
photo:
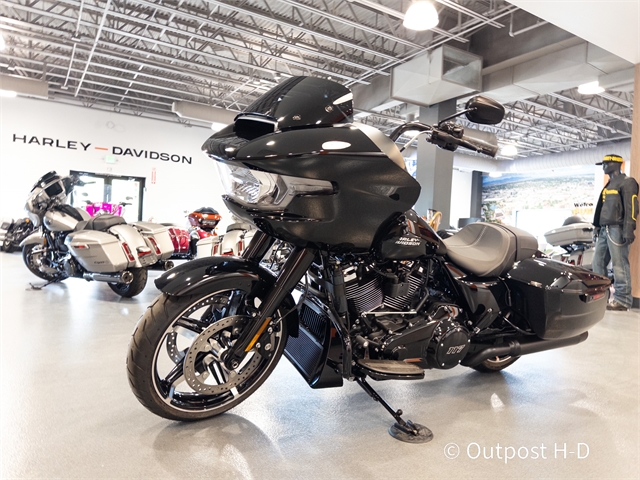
column 612, row 157
column 206, row 218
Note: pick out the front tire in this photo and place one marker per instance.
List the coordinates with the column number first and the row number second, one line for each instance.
column 7, row 245
column 175, row 356
column 136, row 286
column 32, row 256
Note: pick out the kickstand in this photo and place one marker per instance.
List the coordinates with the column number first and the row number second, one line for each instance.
column 40, row 287
column 404, row 431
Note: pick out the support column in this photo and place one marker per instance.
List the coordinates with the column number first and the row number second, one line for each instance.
column 634, row 254
column 434, row 170
column 476, row 194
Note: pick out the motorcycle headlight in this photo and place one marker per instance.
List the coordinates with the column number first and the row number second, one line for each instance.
column 267, row 191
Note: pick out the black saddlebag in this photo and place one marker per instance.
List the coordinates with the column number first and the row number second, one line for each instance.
column 557, row 299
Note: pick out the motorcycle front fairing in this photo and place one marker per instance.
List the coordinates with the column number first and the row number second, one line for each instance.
column 368, row 183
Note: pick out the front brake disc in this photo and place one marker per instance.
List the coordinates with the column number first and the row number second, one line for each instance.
column 203, row 367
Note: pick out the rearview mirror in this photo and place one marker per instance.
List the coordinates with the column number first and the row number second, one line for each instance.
column 484, row 111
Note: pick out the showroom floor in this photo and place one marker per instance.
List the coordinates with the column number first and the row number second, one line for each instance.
column 67, row 411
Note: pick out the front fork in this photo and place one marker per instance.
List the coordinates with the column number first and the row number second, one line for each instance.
column 293, row 270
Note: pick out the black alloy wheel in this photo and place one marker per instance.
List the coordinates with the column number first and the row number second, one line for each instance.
column 175, row 362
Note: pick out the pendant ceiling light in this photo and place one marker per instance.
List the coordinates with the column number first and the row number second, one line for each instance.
column 420, row 16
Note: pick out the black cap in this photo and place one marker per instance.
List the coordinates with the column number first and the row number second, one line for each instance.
column 612, row 157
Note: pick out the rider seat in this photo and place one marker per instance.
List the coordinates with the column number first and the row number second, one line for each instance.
column 101, row 223
column 489, row 249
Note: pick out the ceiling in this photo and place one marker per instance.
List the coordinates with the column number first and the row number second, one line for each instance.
column 139, row 57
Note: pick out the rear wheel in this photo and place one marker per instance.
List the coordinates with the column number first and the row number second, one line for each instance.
column 33, row 256
column 175, row 362
column 495, row 364
column 135, row 287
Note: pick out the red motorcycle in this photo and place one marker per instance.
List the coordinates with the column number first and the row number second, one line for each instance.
column 203, row 223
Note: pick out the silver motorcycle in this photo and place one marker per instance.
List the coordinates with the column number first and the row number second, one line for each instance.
column 71, row 243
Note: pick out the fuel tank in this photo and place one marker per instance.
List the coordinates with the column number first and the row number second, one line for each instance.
column 64, row 218
column 407, row 238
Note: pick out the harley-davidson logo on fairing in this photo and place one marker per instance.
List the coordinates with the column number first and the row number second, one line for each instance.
column 408, row 241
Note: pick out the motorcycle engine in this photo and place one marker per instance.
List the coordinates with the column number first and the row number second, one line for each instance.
column 448, row 345
column 379, row 299
column 70, row 266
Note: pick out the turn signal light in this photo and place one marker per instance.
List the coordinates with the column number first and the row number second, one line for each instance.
column 127, row 251
column 155, row 245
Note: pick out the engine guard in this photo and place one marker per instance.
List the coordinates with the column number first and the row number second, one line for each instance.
column 210, row 274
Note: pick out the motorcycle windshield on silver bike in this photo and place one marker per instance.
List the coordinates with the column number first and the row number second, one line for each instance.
column 368, row 290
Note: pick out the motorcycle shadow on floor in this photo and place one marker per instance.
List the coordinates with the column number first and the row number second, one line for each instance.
column 230, row 442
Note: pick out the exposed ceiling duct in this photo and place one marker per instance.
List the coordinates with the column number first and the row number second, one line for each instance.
column 25, row 87
column 203, row 113
column 439, row 75
column 553, row 72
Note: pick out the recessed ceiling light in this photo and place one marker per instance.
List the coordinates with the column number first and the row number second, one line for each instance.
column 421, row 16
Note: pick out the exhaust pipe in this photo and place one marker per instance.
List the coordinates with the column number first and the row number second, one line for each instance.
column 515, row 349
column 125, row 277
column 163, row 265
column 168, row 265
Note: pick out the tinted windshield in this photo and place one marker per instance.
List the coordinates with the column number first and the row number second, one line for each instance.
column 302, row 101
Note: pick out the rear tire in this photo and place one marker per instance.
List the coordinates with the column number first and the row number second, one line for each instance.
column 169, row 345
column 136, row 286
column 496, row 364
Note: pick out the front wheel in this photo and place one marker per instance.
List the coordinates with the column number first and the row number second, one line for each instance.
column 135, row 287
column 175, row 362
column 7, row 245
column 33, row 256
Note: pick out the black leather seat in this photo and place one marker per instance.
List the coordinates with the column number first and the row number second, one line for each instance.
column 489, row 249
column 100, row 223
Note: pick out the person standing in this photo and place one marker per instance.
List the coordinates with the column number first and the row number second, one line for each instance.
column 615, row 221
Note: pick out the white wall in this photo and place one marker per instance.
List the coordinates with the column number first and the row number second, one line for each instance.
column 461, row 184
column 79, row 133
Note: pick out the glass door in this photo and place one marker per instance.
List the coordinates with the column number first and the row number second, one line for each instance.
column 119, row 195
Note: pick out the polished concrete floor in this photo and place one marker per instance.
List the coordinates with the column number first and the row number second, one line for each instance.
column 67, row 411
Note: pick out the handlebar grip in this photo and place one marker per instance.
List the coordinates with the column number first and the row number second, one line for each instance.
column 479, row 141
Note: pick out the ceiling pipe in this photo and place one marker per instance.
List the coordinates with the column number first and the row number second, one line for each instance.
column 95, row 44
column 75, row 39
column 526, row 29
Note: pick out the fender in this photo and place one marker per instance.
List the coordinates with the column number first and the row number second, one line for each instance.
column 209, row 274
column 35, row 237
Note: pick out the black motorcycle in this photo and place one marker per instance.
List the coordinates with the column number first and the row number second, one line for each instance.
column 368, row 290
column 16, row 231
